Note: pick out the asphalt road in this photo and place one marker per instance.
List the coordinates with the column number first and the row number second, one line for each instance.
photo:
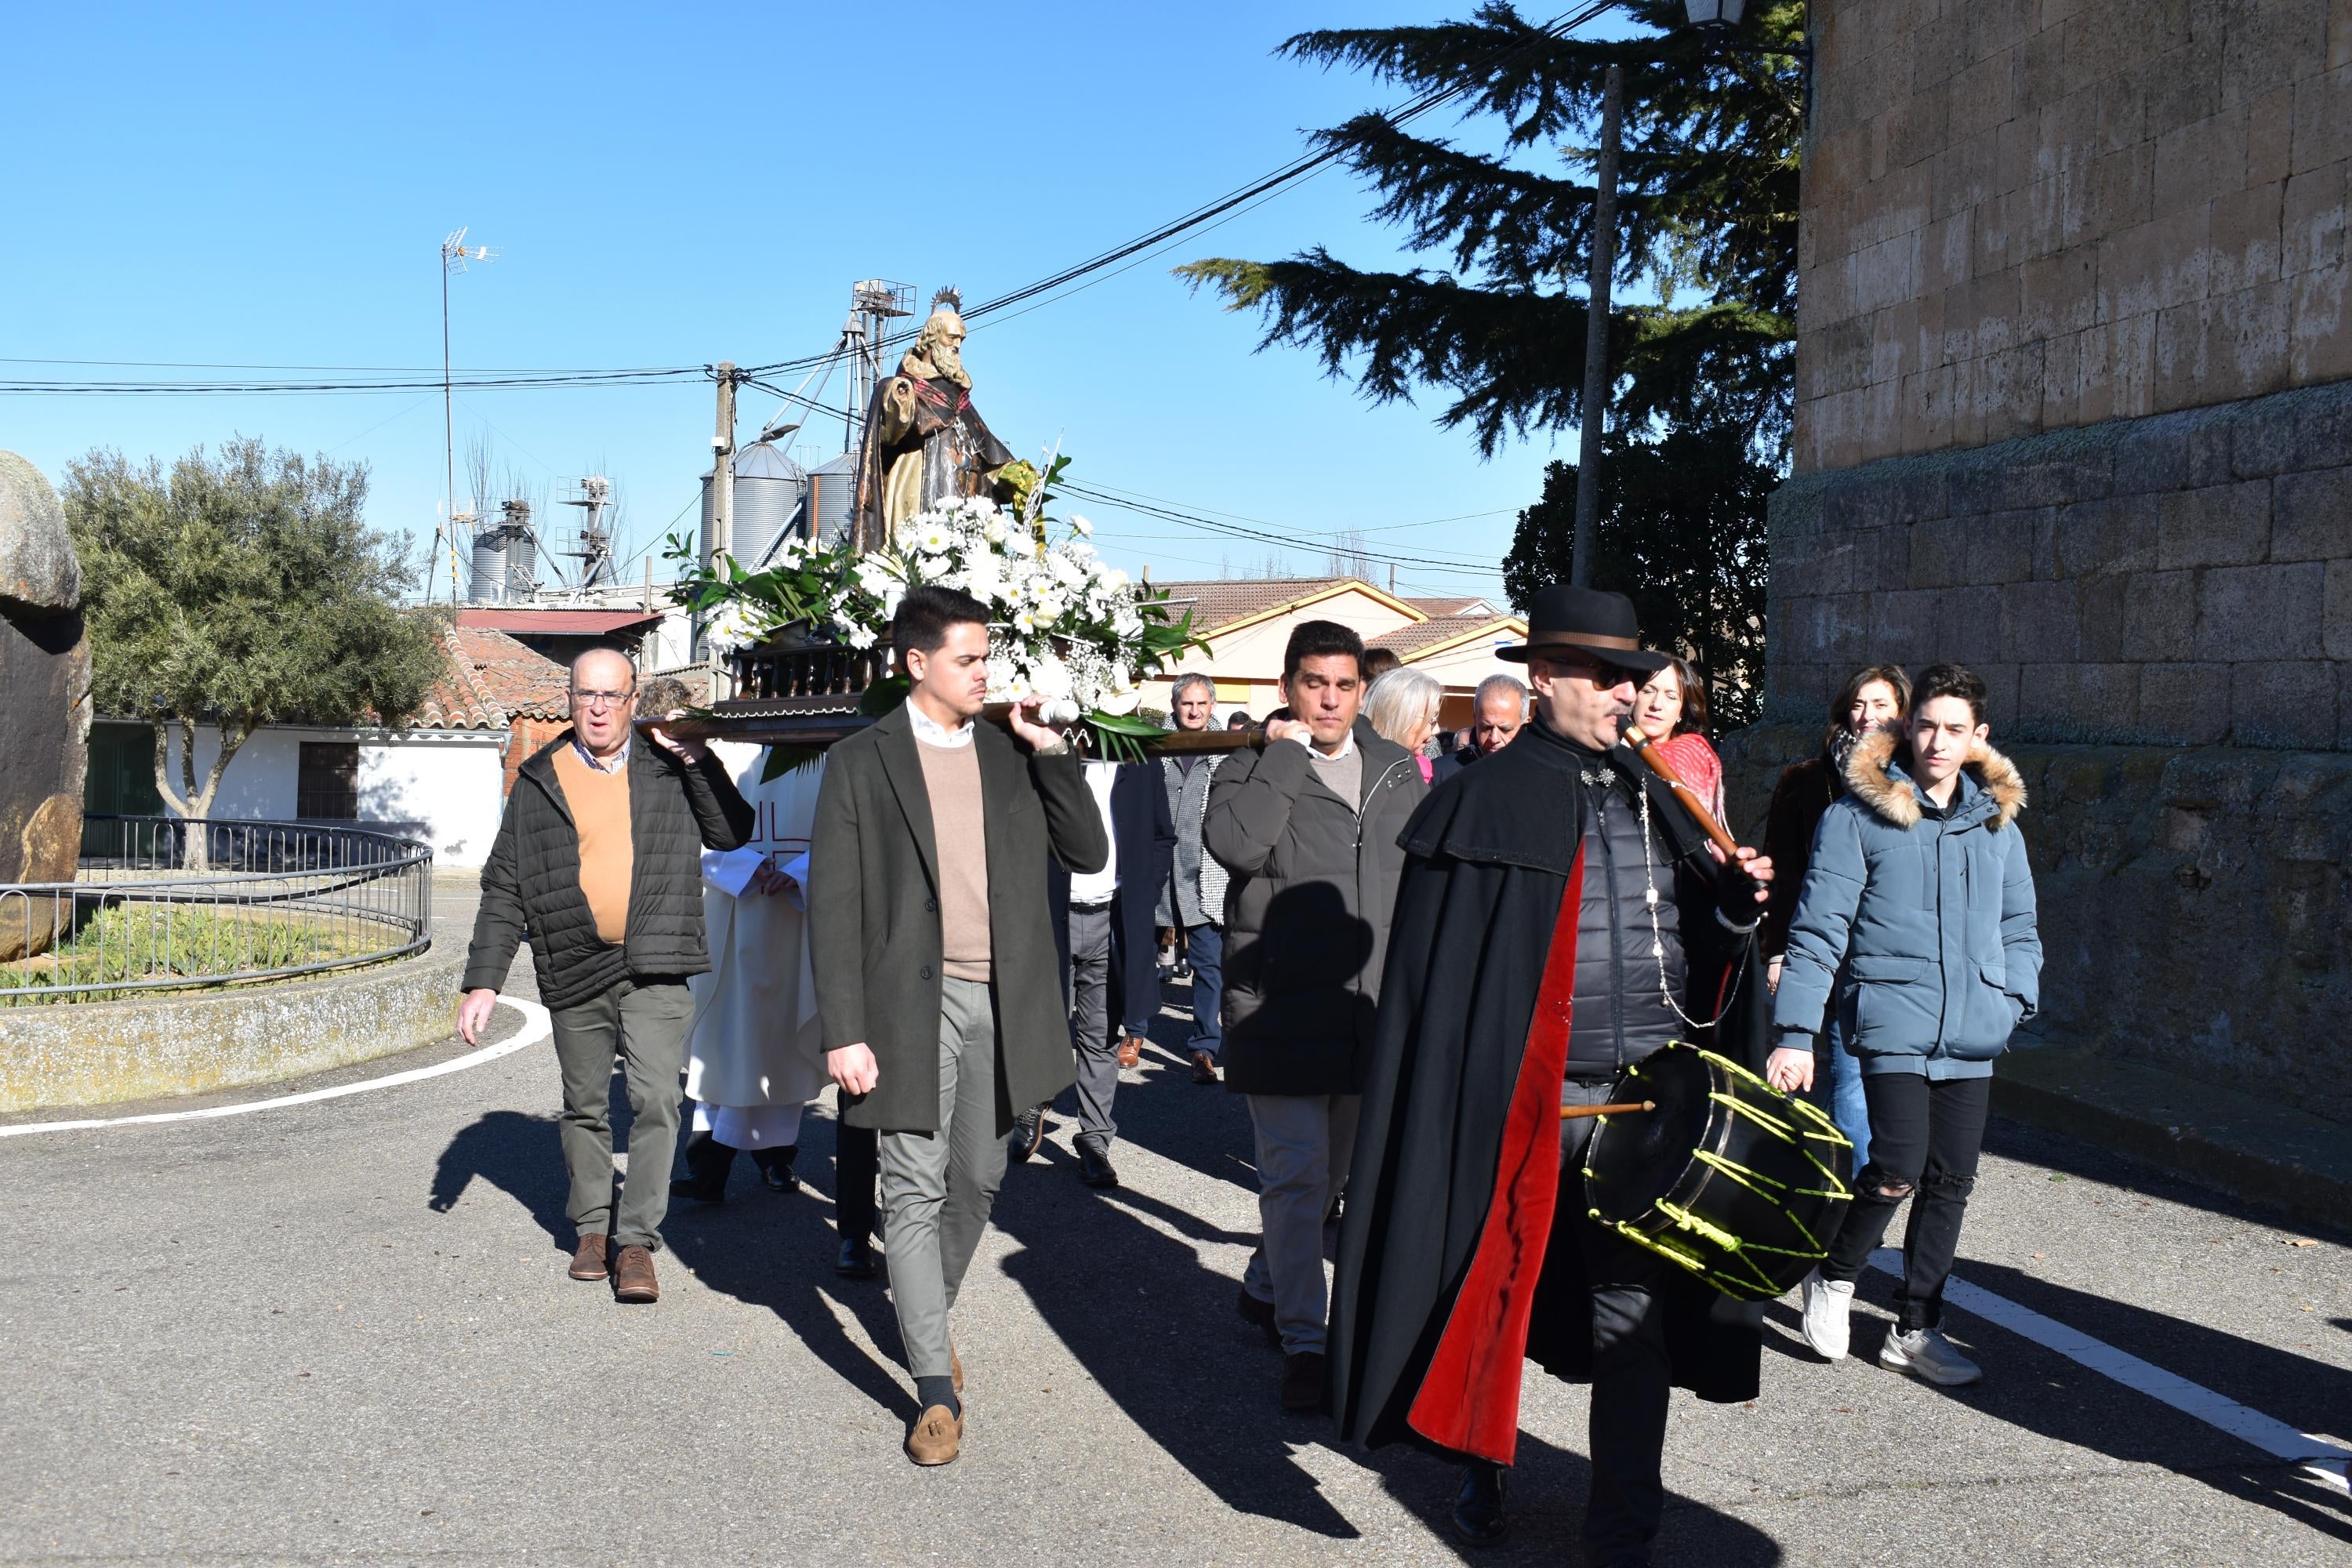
column 341, row 1332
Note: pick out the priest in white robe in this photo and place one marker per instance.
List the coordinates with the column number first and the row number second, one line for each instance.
column 755, row 1053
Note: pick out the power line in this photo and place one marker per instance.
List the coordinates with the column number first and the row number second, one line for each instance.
column 1262, row 536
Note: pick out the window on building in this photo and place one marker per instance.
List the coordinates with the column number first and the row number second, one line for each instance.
column 326, row 780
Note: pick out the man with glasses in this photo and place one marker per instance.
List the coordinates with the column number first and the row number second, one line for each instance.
column 599, row 860
column 1559, row 916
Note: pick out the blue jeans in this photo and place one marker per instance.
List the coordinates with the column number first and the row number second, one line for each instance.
column 1848, row 1108
column 1205, row 949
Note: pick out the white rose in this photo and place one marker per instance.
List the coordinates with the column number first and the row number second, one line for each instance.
column 1113, row 581
column 861, row 637
column 1120, row 701
column 1085, row 529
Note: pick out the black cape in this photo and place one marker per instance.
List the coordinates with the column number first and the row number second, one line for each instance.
column 1490, row 859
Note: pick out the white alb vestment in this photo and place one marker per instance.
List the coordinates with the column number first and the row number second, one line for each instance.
column 755, row 1053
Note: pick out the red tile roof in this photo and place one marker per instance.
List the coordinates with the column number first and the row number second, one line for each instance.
column 1406, row 641
column 1218, row 602
column 552, row 623
column 488, row 680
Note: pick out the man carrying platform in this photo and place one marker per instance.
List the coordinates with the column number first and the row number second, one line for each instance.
column 1559, row 918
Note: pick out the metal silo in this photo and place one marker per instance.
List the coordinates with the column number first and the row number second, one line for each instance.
column 832, row 486
column 490, row 583
column 768, row 487
column 522, row 552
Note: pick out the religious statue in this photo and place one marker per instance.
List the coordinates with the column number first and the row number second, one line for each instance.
column 925, row 443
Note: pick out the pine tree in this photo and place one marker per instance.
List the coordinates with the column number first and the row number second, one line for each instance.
column 1706, row 220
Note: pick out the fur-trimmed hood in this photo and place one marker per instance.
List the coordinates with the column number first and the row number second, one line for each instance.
column 1872, row 777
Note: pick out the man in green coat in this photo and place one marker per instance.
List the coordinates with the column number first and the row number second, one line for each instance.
column 931, row 939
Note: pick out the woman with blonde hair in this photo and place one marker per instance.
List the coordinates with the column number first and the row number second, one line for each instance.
column 1402, row 706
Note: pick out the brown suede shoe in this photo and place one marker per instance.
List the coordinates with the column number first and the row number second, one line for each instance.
column 632, row 1276
column 1204, row 1067
column 1130, row 1051
column 935, row 1437
column 588, row 1258
column 955, row 1367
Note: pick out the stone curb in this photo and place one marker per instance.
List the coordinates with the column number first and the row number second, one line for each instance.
column 104, row 1053
column 2312, row 1193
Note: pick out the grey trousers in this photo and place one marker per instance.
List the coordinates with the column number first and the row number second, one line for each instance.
column 643, row 1023
column 1304, row 1145
column 939, row 1187
column 1090, row 974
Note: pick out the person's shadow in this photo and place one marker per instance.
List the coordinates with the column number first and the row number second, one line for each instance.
column 516, row 1152
column 775, row 1251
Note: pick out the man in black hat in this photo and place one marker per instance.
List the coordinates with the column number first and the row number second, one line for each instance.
column 1560, row 917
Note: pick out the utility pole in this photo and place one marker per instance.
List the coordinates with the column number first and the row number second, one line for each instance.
column 1596, row 329
column 722, row 487
column 453, row 257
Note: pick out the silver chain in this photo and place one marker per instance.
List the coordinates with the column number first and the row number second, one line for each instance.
column 1657, row 938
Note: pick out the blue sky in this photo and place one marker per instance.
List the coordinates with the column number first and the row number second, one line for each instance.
column 676, row 185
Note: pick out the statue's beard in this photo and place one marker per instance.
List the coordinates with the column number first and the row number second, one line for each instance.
column 944, row 362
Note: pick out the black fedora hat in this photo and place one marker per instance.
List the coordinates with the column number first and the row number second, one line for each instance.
column 1586, row 621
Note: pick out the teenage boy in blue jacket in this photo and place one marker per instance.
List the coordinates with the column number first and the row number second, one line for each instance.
column 1918, row 886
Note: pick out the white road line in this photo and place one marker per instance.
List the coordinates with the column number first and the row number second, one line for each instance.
column 2321, row 1458
column 536, row 1026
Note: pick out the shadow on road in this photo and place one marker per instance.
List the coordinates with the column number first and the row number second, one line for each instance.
column 1119, row 1278
column 2071, row 1403
column 517, row 1154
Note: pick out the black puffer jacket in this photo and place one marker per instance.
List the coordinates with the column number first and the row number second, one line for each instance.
column 530, row 884
column 1622, row 1012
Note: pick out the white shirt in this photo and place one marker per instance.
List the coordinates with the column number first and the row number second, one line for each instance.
column 1305, row 738
column 1097, row 886
column 933, row 733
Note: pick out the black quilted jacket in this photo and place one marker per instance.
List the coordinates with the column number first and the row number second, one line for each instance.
column 530, row 885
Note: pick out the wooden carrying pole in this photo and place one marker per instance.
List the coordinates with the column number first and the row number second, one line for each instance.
column 1571, row 1113
column 1647, row 750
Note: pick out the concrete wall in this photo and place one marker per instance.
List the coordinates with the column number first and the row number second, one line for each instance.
column 444, row 787
column 2028, row 215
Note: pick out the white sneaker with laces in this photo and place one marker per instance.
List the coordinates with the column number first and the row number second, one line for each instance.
column 1928, row 1356
column 1828, row 1309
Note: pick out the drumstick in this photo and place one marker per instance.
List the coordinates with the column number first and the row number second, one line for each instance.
column 1647, row 750
column 1569, row 1112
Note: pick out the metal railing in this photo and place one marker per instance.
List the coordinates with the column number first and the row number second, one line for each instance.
column 171, row 903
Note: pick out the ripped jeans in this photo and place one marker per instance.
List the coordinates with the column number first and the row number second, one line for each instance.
column 1925, row 1136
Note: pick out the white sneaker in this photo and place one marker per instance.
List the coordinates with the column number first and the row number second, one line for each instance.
column 1928, row 1356
column 1828, row 1308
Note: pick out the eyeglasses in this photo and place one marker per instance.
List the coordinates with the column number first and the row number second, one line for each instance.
column 603, row 699
column 1608, row 677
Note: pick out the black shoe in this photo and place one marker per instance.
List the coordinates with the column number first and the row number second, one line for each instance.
column 1302, row 1382
column 1183, row 971
column 1479, row 1518
column 1254, row 1311
column 776, row 1168
column 708, row 1161
column 855, row 1259
column 1028, row 1134
column 1094, row 1167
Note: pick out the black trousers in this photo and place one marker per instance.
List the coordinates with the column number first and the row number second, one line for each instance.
column 856, row 1169
column 1632, row 1377
column 1925, row 1136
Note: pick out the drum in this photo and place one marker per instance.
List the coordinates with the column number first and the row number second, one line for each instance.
column 1727, row 1177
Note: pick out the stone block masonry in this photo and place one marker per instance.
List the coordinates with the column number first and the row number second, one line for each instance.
column 2022, row 216
column 2181, row 579
column 2196, row 915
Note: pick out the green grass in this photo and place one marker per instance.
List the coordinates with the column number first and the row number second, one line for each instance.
column 147, row 942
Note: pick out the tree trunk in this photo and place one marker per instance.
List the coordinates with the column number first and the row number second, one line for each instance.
column 190, row 801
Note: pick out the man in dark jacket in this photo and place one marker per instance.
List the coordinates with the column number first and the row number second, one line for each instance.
column 599, row 859
column 1528, row 966
column 1193, row 903
column 931, row 941
column 1308, row 828
column 1104, row 924
column 1497, row 711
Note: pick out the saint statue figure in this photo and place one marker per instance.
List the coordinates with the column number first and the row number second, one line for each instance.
column 925, row 443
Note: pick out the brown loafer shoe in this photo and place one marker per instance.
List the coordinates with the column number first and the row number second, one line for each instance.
column 955, row 1367
column 588, row 1258
column 1204, row 1067
column 935, row 1436
column 1130, row 1051
column 632, row 1276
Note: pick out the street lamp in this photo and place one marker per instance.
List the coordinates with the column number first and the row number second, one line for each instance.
column 1715, row 16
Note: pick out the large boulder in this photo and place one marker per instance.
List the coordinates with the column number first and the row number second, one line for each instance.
column 43, row 700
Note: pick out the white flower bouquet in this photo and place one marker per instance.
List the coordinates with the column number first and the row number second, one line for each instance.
column 1065, row 630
